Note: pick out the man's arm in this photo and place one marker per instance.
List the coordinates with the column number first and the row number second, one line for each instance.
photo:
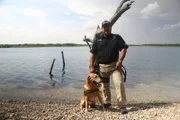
column 91, row 66
column 93, row 52
column 122, row 55
column 121, row 58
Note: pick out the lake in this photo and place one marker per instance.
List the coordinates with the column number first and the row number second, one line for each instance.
column 153, row 73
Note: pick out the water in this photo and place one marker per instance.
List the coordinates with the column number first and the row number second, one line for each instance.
column 153, row 73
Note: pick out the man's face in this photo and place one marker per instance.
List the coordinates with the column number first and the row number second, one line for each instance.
column 106, row 29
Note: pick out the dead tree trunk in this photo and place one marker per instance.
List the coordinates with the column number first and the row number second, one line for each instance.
column 120, row 10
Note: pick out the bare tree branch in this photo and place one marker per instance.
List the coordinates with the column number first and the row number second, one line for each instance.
column 120, row 5
column 120, row 10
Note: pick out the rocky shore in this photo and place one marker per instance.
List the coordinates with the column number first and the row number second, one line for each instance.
column 33, row 110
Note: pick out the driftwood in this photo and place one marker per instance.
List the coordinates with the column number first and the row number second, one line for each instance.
column 87, row 41
column 120, row 10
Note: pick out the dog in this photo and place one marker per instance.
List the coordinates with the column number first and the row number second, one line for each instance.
column 91, row 92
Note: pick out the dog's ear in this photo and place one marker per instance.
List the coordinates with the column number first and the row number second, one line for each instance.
column 88, row 78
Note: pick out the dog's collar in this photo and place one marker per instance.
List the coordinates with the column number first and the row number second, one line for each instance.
column 90, row 91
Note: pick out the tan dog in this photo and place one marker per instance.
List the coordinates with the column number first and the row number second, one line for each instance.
column 91, row 91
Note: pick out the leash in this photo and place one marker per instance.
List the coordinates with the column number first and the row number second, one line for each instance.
column 124, row 72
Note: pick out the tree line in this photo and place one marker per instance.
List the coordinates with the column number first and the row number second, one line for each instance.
column 70, row 45
column 40, row 45
column 161, row 45
column 173, row 45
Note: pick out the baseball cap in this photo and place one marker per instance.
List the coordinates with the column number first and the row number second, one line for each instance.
column 106, row 23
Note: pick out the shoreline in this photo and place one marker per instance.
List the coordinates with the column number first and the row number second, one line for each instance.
column 64, row 110
column 35, row 45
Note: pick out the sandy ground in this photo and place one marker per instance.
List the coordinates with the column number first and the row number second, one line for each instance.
column 34, row 110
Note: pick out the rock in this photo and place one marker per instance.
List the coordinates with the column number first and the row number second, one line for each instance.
column 55, row 111
column 12, row 115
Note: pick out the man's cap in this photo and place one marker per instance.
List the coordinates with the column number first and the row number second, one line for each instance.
column 106, row 23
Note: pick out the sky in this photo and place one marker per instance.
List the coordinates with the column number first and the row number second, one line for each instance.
column 67, row 21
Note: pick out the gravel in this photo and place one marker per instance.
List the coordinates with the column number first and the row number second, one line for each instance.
column 36, row 110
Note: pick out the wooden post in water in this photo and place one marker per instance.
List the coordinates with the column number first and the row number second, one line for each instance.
column 50, row 72
column 63, row 69
column 63, row 59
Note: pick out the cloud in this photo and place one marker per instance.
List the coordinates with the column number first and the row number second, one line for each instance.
column 67, row 13
column 91, row 12
column 84, row 18
column 152, row 9
column 163, row 15
column 168, row 27
column 90, row 7
column 69, row 20
column 35, row 13
column 3, row 12
column 6, row 15
column 45, row 34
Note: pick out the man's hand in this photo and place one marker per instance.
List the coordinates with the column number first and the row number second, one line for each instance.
column 91, row 69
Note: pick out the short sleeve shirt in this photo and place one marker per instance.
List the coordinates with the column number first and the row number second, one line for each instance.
column 106, row 49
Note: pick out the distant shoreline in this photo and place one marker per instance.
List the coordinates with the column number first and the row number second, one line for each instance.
column 26, row 45
column 168, row 45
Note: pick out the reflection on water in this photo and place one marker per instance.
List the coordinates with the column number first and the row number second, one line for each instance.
column 152, row 73
column 53, row 81
column 63, row 73
column 62, row 77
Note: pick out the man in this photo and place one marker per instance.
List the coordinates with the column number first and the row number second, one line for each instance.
column 105, row 54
